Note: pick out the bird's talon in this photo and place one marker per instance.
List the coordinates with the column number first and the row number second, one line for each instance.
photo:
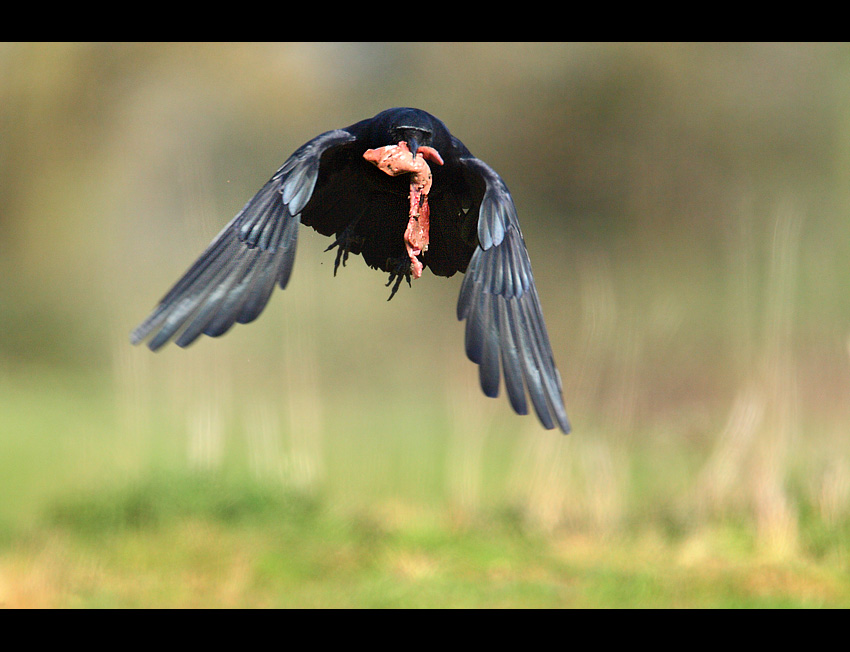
column 345, row 241
column 400, row 270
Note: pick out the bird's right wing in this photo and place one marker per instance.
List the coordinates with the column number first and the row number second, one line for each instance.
column 234, row 278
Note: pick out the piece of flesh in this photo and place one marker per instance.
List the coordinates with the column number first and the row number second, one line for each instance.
column 398, row 159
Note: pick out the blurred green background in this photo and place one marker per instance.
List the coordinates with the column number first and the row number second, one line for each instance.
column 687, row 212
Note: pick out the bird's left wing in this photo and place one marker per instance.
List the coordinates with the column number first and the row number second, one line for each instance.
column 234, row 278
column 498, row 298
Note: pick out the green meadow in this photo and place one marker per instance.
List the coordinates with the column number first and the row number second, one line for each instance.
column 687, row 213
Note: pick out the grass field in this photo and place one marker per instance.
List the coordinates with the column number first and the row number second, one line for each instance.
column 309, row 507
column 194, row 542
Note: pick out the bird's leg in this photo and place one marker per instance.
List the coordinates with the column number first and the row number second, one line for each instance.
column 400, row 269
column 344, row 241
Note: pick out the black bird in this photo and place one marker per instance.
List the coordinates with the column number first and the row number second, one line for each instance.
column 341, row 183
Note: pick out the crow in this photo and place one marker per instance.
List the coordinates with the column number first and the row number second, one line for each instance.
column 404, row 193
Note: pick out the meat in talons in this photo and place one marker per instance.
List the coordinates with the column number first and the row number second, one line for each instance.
column 398, row 159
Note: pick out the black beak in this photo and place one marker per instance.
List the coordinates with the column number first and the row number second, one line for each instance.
column 413, row 145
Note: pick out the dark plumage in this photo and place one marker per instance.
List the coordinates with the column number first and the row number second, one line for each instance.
column 327, row 184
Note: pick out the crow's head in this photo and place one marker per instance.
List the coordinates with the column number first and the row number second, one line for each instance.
column 413, row 126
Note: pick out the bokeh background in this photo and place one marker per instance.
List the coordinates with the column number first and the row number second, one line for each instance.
column 687, row 212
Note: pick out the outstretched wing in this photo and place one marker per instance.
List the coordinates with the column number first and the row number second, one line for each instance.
column 234, row 278
column 504, row 327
